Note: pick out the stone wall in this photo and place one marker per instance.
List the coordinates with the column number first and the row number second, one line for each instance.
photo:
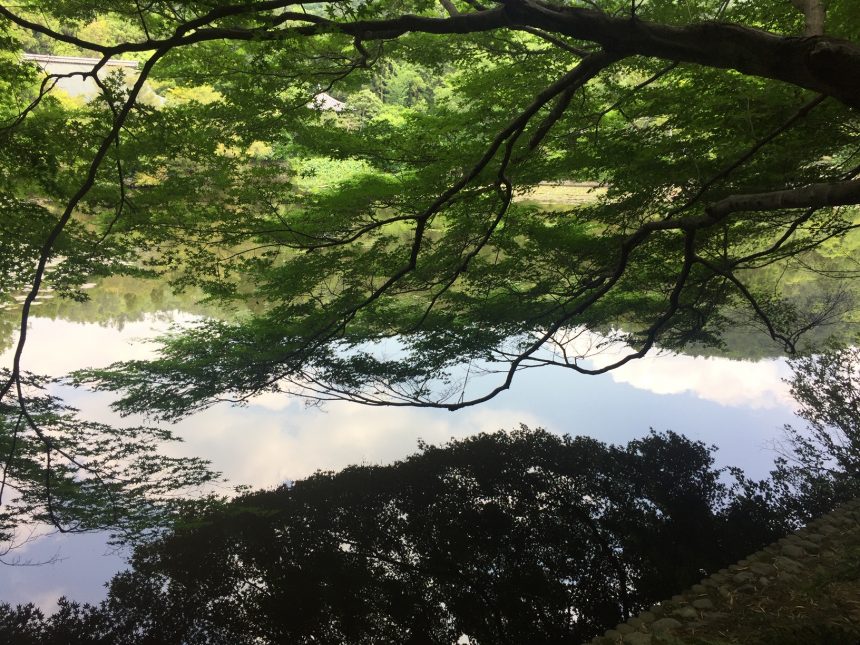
column 706, row 609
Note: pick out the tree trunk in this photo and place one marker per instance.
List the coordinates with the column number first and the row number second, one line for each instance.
column 813, row 11
column 827, row 65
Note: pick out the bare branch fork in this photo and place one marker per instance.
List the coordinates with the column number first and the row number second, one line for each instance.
column 815, row 196
column 49, row 83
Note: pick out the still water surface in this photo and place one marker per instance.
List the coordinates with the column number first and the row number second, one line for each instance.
column 740, row 406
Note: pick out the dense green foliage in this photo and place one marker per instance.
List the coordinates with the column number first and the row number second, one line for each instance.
column 388, row 269
column 821, row 462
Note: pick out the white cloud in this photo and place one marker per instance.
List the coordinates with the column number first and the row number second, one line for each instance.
column 754, row 384
column 56, row 347
column 259, row 447
column 275, row 437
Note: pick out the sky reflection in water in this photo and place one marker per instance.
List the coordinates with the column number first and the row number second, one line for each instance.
column 740, row 406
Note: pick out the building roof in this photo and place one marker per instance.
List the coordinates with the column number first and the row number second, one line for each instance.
column 324, row 102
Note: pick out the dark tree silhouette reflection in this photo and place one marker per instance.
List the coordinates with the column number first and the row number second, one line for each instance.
column 511, row 537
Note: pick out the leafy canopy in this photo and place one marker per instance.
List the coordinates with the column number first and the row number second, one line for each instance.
column 388, row 253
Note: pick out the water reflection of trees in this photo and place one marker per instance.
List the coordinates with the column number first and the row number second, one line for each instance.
column 70, row 474
column 509, row 538
column 513, row 537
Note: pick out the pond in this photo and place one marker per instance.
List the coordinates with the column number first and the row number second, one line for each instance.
column 740, row 406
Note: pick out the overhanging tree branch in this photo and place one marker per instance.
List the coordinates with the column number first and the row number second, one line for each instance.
column 812, row 196
column 649, row 236
column 820, row 63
